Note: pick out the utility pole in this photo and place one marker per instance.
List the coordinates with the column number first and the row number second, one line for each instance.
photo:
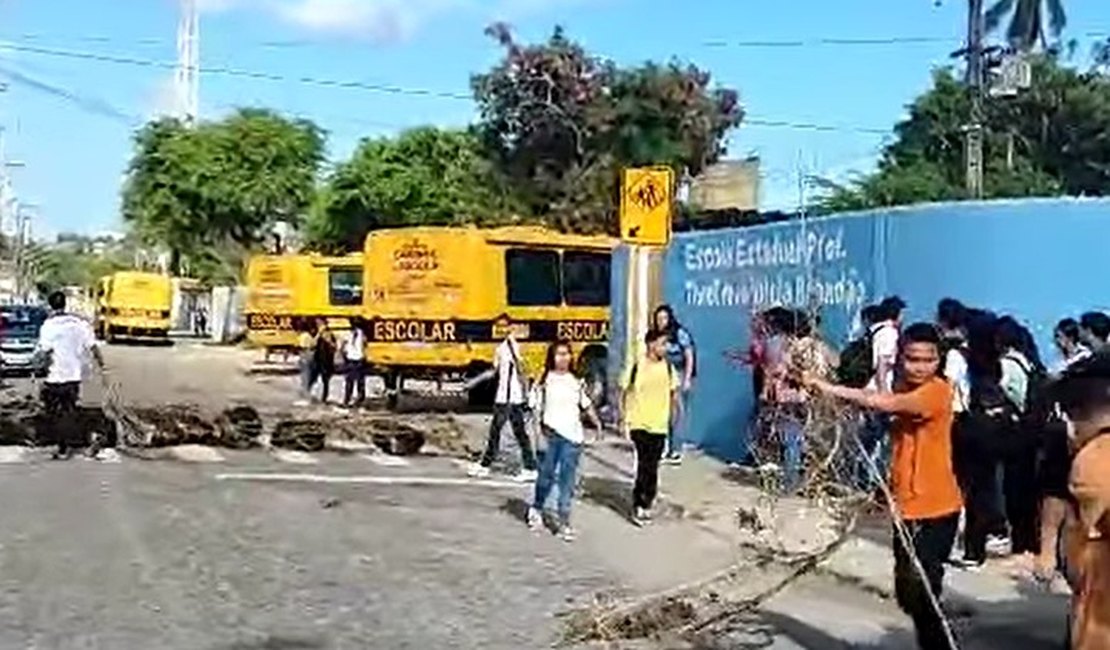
column 973, row 131
column 23, row 223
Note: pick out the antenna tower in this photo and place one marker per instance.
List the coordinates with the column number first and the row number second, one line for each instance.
column 187, row 78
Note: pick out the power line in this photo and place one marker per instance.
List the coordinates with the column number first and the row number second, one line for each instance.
column 369, row 87
column 864, row 41
column 232, row 72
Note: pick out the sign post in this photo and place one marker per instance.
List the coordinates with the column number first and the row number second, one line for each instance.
column 647, row 205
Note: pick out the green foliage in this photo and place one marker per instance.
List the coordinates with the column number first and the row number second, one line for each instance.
column 1028, row 19
column 425, row 176
column 195, row 190
column 560, row 123
column 1050, row 139
column 74, row 263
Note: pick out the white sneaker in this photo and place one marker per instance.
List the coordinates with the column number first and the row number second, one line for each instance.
column 567, row 533
column 641, row 517
column 527, row 476
column 534, row 520
column 998, row 546
column 478, row 470
column 301, row 403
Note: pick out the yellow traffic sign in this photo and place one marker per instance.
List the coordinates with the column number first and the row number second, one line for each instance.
column 646, row 205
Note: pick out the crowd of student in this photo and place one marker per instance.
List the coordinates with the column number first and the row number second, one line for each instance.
column 975, row 424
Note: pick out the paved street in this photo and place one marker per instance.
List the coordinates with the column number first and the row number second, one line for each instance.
column 363, row 550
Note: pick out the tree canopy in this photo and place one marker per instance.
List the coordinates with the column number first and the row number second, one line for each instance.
column 424, row 176
column 198, row 191
column 1028, row 20
column 1049, row 139
column 559, row 123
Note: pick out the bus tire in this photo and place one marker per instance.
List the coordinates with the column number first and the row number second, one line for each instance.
column 394, row 384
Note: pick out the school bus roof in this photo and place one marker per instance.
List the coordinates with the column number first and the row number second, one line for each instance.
column 536, row 235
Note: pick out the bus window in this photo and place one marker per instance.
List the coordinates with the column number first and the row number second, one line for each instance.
column 532, row 278
column 344, row 287
column 586, row 279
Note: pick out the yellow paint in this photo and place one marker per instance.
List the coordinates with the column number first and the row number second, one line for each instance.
column 431, row 277
column 134, row 300
column 282, row 288
column 647, row 201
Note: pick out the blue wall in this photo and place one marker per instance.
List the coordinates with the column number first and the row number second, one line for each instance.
column 1038, row 260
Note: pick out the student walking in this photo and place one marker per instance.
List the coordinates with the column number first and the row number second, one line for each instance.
column 560, row 400
column 682, row 356
column 508, row 405
column 651, row 389
column 354, row 362
column 65, row 340
column 926, row 495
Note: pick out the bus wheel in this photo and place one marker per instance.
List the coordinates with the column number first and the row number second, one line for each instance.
column 394, row 384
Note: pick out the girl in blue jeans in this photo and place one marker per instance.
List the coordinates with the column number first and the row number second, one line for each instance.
column 559, row 399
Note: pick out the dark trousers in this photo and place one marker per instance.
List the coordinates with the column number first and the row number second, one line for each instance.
column 976, row 464
column 60, row 403
column 932, row 541
column 514, row 415
column 649, row 451
column 355, row 381
column 1020, row 487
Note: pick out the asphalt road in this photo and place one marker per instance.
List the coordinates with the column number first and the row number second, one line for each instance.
column 166, row 554
column 160, row 554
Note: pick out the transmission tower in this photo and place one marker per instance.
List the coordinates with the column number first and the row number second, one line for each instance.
column 187, row 78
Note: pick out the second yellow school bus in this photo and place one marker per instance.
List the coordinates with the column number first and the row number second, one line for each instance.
column 433, row 295
column 281, row 289
column 133, row 304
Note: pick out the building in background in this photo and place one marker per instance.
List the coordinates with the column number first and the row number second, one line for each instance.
column 727, row 185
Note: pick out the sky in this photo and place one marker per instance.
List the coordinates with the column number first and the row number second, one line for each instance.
column 82, row 75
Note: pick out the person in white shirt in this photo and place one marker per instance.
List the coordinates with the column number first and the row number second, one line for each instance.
column 354, row 362
column 560, row 399
column 66, row 341
column 1069, row 343
column 884, row 359
column 508, row 404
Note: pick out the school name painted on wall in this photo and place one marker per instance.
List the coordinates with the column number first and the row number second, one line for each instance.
column 806, row 247
column 846, row 289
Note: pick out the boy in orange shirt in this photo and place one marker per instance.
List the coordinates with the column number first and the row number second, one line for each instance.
column 926, row 495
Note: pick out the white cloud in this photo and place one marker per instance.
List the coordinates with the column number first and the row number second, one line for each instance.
column 382, row 21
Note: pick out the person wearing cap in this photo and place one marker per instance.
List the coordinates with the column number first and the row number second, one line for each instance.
column 1083, row 396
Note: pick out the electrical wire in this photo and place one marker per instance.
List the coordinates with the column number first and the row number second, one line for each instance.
column 365, row 86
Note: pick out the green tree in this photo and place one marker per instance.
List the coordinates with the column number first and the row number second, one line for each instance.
column 560, row 123
column 1028, row 19
column 424, row 176
column 220, row 185
column 1050, row 139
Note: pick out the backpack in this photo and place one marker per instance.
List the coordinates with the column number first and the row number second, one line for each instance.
column 1038, row 409
column 856, row 368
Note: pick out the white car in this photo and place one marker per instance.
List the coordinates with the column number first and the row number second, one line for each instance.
column 19, row 333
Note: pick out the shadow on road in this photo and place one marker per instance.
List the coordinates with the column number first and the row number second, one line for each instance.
column 278, row 643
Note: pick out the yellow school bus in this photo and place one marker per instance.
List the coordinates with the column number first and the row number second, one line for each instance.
column 281, row 289
column 133, row 304
column 434, row 293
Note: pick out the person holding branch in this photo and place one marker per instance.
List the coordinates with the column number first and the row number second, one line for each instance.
column 927, row 498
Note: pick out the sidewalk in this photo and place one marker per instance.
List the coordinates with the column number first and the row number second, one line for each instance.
column 990, row 607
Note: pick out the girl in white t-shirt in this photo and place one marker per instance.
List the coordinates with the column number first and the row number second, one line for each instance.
column 560, row 399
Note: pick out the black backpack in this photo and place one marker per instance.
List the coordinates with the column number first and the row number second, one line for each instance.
column 856, row 368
